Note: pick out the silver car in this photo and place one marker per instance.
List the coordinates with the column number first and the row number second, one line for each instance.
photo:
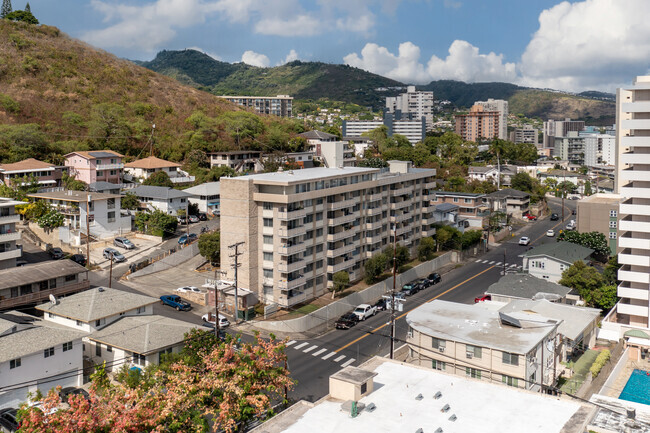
column 123, row 243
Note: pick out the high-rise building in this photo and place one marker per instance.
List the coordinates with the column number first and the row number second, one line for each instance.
column 560, row 128
column 9, row 251
column 413, row 130
column 527, row 134
column 570, row 148
column 281, row 105
column 600, row 149
column 478, row 124
column 412, row 105
column 502, row 107
column 300, row 227
column 633, row 184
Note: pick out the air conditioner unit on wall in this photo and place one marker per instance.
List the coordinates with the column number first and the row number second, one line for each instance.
column 442, row 349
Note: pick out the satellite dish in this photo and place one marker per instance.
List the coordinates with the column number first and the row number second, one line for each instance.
column 52, row 299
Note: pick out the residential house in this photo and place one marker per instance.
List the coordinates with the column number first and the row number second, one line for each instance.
column 36, row 355
column 241, row 161
column 93, row 166
column 512, row 287
column 99, row 211
column 34, row 283
column 106, row 187
column 388, row 396
column 599, row 213
column 447, row 214
column 163, row 198
column 206, row 196
column 559, row 176
column 329, row 149
column 478, row 343
column 490, row 173
column 9, row 251
column 359, row 144
column 18, row 173
column 548, row 261
column 510, row 201
column 301, row 159
column 471, row 207
column 141, row 169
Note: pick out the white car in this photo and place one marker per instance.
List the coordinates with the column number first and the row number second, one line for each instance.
column 524, row 240
column 223, row 321
column 550, row 233
column 188, row 289
column 364, row 311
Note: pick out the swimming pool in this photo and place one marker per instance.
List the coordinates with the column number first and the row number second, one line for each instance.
column 637, row 388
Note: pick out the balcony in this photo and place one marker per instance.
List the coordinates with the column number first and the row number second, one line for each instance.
column 373, row 226
column 635, row 123
column 400, row 205
column 636, row 107
column 285, row 232
column 400, row 218
column 626, row 257
column 36, row 297
column 344, row 219
column 287, row 250
column 285, row 267
column 13, row 254
column 630, row 293
column 343, row 234
column 8, row 219
column 373, row 212
column 430, row 185
column 342, row 204
column 284, row 284
column 68, row 210
column 346, row 264
column 632, row 310
column 634, row 209
column 286, row 301
column 635, row 158
column 375, row 196
column 341, row 250
column 292, row 215
column 634, row 226
column 635, row 191
column 10, row 236
column 625, row 274
column 117, row 166
column 633, row 242
column 635, row 141
column 403, row 230
column 407, row 190
column 635, row 174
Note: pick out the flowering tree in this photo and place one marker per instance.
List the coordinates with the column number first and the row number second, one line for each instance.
column 222, row 387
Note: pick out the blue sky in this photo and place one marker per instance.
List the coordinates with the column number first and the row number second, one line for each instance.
column 579, row 45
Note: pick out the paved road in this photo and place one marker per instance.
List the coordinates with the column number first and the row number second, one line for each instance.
column 312, row 361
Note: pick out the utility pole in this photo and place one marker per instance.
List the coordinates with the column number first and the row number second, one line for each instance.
column 187, row 217
column 153, row 128
column 236, row 265
column 392, row 295
column 216, row 306
column 88, row 202
column 110, row 275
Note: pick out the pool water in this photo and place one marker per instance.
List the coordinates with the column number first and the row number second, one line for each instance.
column 637, row 388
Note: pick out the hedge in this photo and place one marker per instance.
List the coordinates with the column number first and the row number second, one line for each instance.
column 599, row 363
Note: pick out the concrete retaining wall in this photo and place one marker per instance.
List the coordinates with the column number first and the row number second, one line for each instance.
column 168, row 262
column 319, row 319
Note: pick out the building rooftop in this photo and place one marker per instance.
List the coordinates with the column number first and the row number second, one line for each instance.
column 563, row 251
column 318, row 135
column 7, row 202
column 558, row 172
column 43, row 271
column 103, row 186
column 508, row 192
column 96, row 303
column 234, row 152
column 94, row 154
column 158, row 192
column 526, row 286
column 602, row 198
column 207, row 189
column 445, row 207
column 307, row 174
column 151, row 162
column 611, row 415
column 74, row 196
column 26, row 165
column 143, row 334
column 478, row 327
column 458, row 194
column 478, row 406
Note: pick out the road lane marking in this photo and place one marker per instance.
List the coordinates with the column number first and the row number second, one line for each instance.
column 339, row 358
column 348, row 362
column 405, row 313
column 318, row 352
column 301, row 345
column 498, row 264
column 310, row 349
column 492, row 262
column 329, row 355
column 289, row 343
column 514, row 265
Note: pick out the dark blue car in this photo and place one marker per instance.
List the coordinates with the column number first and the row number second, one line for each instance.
column 175, row 301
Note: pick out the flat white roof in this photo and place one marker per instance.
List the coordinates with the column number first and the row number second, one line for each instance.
column 308, row 174
column 478, row 407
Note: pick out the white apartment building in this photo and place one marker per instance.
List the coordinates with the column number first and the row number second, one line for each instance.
column 633, row 184
column 206, row 197
column 502, row 107
column 8, row 233
column 412, row 105
column 163, row 198
column 414, row 130
column 570, row 147
column 301, row 227
column 599, row 149
column 560, row 128
column 239, row 160
column 329, row 149
column 281, row 105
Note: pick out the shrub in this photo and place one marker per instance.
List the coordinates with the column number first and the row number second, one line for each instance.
column 599, row 363
column 9, row 104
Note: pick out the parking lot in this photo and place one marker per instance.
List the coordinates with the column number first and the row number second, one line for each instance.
column 143, row 247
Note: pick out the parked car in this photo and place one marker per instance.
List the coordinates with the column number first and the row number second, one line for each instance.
column 70, row 391
column 78, row 258
column 194, row 219
column 181, row 220
column 573, row 212
column 186, row 239
column 203, row 217
column 381, row 304
column 9, row 420
column 223, row 320
column 434, row 278
column 56, row 253
column 550, row 233
column 363, row 311
column 530, row 217
column 482, row 298
column 571, row 225
column 115, row 254
column 554, row 217
column 410, row 288
column 123, row 243
column 524, row 240
column 188, row 289
column 175, row 301
column 424, row 283
column 346, row 321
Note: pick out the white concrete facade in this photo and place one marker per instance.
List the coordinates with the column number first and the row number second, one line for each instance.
column 8, row 233
column 502, row 107
column 545, row 267
column 413, row 105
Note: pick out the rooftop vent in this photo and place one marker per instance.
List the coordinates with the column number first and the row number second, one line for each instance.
column 419, row 397
column 371, row 407
column 419, row 430
column 438, row 395
column 100, row 289
column 631, row 412
column 439, row 430
column 445, row 408
column 453, row 417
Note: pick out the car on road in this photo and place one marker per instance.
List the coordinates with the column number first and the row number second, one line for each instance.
column 203, row 217
column 554, row 217
column 78, row 258
column 9, row 420
column 381, row 304
column 346, row 321
column 530, row 217
column 223, row 320
column 70, row 391
column 363, row 311
column 434, row 278
column 194, row 219
column 175, row 301
column 188, row 289
column 56, row 253
column 482, row 298
column 187, row 238
column 524, row 240
column 550, row 233
column 123, row 243
column 410, row 289
column 114, row 254
column 424, row 283
column 571, row 225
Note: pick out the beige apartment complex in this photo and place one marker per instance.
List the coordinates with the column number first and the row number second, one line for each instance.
column 599, row 213
column 281, row 105
column 478, row 124
column 300, row 227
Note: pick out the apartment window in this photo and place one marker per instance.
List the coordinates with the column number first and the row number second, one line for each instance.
column 268, row 256
column 268, row 273
column 113, row 172
column 309, row 267
column 268, row 206
column 268, row 222
column 613, row 224
column 473, row 373
column 319, row 264
column 109, row 348
column 563, row 268
column 100, row 173
column 319, row 201
column 139, row 359
column 319, row 248
column 612, row 235
column 319, row 232
column 510, row 358
column 140, row 310
column 98, row 349
column 111, row 216
column 67, row 346
column 48, row 352
column 14, row 363
column 473, row 351
column 53, row 283
column 79, row 323
column 613, row 213
column 437, row 365
column 467, row 200
column 309, row 234
column 268, row 240
column 308, row 219
column 510, row 381
column 455, row 199
column 437, row 343
column 69, row 278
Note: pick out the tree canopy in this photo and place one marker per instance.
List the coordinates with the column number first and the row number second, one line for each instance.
column 159, row 178
column 590, row 284
column 210, row 246
column 594, row 240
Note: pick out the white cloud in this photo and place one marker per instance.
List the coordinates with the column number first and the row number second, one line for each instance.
column 464, row 62
column 293, row 55
column 255, row 59
column 451, row 4
column 301, row 25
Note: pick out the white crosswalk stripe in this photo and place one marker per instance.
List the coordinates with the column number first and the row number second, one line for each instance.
column 289, row 343
column 348, row 362
column 492, row 262
column 329, row 355
column 514, row 265
column 310, row 349
column 339, row 358
column 301, row 345
column 498, row 264
column 318, row 352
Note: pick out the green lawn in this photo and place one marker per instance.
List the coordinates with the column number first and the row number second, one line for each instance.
column 580, row 371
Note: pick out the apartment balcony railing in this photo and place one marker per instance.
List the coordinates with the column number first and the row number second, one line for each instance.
column 374, row 225
column 10, row 236
column 40, row 296
column 343, row 234
column 68, row 210
column 430, row 185
column 286, row 301
column 13, row 254
column 376, row 196
column 8, row 219
column 401, row 191
column 346, row 264
column 285, row 249
column 344, row 219
column 290, row 233
column 375, row 211
column 292, row 215
column 400, row 218
column 290, row 267
column 117, row 166
column 400, row 205
column 284, row 284
column 341, row 250
column 402, row 230
column 342, row 204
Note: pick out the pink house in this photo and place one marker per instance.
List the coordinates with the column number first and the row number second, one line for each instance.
column 95, row 166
